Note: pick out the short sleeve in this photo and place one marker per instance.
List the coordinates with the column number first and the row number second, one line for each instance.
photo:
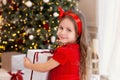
column 60, row 55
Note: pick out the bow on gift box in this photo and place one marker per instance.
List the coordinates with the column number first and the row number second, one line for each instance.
column 16, row 76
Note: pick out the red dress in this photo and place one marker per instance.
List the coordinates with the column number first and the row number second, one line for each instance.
column 69, row 58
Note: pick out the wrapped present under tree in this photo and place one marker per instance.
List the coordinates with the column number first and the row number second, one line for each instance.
column 12, row 61
column 37, row 56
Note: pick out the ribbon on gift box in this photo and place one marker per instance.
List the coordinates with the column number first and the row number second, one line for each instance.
column 16, row 76
column 36, row 58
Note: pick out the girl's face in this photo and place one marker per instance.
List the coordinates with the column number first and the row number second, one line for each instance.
column 66, row 32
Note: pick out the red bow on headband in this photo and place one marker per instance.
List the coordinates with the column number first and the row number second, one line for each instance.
column 74, row 16
column 62, row 13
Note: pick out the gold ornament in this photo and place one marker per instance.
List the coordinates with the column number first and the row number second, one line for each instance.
column 43, row 22
column 11, row 46
column 49, row 30
column 52, row 21
column 9, row 12
column 4, row 42
column 4, row 31
column 33, row 43
column 11, row 27
column 16, row 45
column 71, row 5
column 8, row 24
column 38, row 30
column 51, row 8
column 57, row 3
column 26, row 14
column 14, row 34
column 24, row 34
column 23, row 1
column 25, row 22
column 2, row 47
column 23, row 49
column 49, row 34
column 20, row 16
column 8, row 32
column 18, row 32
column 40, row 2
column 39, row 25
column 5, row 36
column 30, row 47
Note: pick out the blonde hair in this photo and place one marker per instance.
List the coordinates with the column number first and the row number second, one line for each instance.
column 86, row 48
column 84, row 41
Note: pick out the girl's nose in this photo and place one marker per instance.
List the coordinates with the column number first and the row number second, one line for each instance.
column 63, row 31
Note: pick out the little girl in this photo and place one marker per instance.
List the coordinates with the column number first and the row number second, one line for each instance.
column 69, row 60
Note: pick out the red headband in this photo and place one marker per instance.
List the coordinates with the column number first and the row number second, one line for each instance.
column 74, row 16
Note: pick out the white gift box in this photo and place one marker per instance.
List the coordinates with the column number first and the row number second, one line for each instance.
column 4, row 75
column 12, row 61
column 41, row 55
column 17, row 62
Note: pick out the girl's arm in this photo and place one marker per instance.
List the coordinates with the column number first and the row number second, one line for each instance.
column 41, row 67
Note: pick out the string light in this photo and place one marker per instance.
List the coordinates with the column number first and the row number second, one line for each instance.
column 23, row 49
column 16, row 45
column 2, row 47
column 18, row 32
column 14, row 34
column 4, row 42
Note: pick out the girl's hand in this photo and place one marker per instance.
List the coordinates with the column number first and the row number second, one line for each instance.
column 27, row 62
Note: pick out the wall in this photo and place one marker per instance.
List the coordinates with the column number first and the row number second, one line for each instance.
column 89, row 8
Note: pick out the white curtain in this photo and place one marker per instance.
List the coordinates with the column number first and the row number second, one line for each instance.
column 108, row 37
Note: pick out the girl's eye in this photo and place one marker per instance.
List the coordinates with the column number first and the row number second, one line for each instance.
column 61, row 28
column 69, row 30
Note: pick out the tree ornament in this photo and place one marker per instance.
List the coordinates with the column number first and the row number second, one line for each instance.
column 55, row 28
column 28, row 31
column 11, row 40
column 55, row 14
column 45, row 1
column 51, row 9
column 20, row 41
column 49, row 46
column 28, row 3
column 33, row 29
column 31, row 37
column 53, row 38
column 46, row 26
column 41, row 8
column 15, row 7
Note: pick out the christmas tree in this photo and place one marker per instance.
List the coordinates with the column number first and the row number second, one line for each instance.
column 31, row 24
